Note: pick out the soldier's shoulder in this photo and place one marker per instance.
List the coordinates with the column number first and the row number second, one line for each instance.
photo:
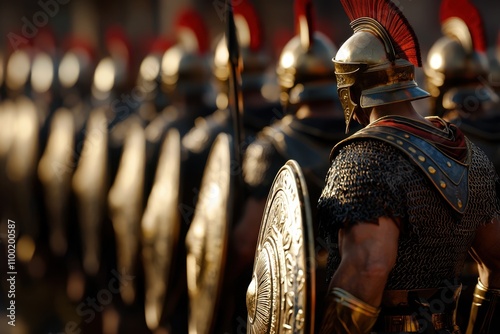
column 363, row 148
column 261, row 149
column 205, row 130
column 260, row 161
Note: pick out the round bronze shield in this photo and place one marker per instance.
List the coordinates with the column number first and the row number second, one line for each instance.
column 206, row 240
column 125, row 202
column 160, row 227
column 90, row 186
column 280, row 297
column 55, row 170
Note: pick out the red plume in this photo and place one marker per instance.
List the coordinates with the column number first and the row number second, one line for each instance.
column 245, row 9
column 118, row 43
column 191, row 19
column 468, row 13
column 160, row 45
column 74, row 42
column 304, row 8
column 392, row 19
column 45, row 40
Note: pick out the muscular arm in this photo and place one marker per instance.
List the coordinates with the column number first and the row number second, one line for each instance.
column 368, row 253
column 486, row 251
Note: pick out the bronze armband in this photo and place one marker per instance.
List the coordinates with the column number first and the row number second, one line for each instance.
column 484, row 314
column 348, row 315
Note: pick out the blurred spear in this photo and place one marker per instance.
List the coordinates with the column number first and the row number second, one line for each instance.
column 235, row 96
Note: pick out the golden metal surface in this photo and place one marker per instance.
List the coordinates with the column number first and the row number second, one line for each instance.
column 206, row 240
column 125, row 201
column 368, row 62
column 55, row 171
column 280, row 297
column 160, row 227
column 301, row 67
column 21, row 163
column 89, row 185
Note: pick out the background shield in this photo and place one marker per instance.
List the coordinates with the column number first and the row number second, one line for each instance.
column 206, row 240
column 281, row 295
column 160, row 227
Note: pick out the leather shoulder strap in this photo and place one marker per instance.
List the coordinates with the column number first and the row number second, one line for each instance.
column 449, row 177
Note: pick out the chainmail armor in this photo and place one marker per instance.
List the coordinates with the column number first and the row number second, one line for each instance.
column 369, row 179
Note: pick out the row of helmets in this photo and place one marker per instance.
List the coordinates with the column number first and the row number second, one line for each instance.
column 455, row 63
column 178, row 69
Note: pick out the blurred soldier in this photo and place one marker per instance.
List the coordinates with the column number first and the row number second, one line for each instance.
column 64, row 128
column 148, row 84
column 406, row 197
column 241, row 77
column 75, row 72
column 256, row 88
column 458, row 77
column 18, row 71
column 98, row 155
column 22, row 144
column 313, row 124
column 186, row 81
column 152, row 100
column 44, row 80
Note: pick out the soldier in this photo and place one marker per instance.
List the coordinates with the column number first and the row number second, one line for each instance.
column 154, row 98
column 186, row 80
column 258, row 109
column 57, row 163
column 406, row 197
column 459, row 75
column 313, row 124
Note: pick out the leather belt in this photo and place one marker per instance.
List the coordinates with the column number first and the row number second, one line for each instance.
column 409, row 311
column 410, row 323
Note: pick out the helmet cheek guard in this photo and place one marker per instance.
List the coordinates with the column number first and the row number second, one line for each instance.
column 347, row 75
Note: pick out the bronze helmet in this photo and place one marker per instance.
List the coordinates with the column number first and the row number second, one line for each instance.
column 305, row 70
column 77, row 65
column 185, row 66
column 376, row 65
column 255, row 59
column 18, row 70
column 148, row 80
column 112, row 73
column 43, row 66
column 458, row 60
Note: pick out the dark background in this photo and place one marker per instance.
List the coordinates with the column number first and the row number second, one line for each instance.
column 142, row 18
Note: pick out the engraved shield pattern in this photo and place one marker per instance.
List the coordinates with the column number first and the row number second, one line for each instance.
column 280, row 297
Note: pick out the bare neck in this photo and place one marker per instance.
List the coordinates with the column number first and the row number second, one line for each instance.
column 404, row 109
